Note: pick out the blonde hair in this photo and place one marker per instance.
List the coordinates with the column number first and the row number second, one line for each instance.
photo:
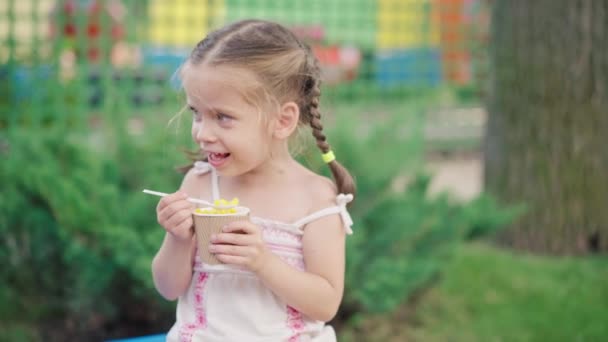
column 286, row 68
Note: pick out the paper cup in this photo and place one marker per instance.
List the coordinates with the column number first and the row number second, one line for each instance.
column 207, row 224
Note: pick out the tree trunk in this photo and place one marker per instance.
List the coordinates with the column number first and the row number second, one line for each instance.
column 547, row 135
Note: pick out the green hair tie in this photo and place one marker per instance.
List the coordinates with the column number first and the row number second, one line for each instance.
column 328, row 157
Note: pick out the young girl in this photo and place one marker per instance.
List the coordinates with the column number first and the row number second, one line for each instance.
column 250, row 86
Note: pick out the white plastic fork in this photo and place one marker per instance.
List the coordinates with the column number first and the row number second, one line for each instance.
column 191, row 199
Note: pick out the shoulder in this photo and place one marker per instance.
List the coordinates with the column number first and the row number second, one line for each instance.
column 321, row 191
column 197, row 181
column 322, row 196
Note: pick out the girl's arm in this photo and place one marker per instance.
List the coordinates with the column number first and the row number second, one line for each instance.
column 172, row 265
column 317, row 292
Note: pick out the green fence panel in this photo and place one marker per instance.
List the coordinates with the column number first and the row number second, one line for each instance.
column 66, row 56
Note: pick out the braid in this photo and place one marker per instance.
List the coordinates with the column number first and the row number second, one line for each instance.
column 344, row 181
column 315, row 120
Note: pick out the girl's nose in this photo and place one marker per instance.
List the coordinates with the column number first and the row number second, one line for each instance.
column 204, row 133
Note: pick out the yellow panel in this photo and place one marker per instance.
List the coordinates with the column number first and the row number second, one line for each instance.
column 407, row 24
column 179, row 23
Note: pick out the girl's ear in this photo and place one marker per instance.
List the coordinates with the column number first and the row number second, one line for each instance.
column 286, row 120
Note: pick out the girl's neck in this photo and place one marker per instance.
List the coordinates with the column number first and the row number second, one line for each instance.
column 274, row 170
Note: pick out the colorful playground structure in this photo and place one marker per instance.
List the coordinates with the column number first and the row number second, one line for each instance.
column 405, row 42
column 384, row 43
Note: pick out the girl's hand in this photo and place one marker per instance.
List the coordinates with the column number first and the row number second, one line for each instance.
column 240, row 243
column 174, row 213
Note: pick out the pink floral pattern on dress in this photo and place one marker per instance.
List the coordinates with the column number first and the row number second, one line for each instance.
column 295, row 322
column 279, row 240
column 200, row 321
column 274, row 233
column 297, row 263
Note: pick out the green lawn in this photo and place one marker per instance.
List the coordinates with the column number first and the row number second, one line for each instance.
column 489, row 294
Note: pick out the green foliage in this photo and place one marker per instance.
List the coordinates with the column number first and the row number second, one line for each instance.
column 78, row 235
column 515, row 297
column 485, row 217
column 403, row 237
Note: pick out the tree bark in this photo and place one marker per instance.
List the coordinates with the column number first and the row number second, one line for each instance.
column 546, row 140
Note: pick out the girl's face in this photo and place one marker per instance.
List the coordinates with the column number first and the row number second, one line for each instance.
column 225, row 126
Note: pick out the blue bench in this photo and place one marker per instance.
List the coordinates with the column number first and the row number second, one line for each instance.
column 149, row 338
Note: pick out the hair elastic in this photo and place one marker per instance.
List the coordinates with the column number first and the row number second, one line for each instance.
column 328, row 157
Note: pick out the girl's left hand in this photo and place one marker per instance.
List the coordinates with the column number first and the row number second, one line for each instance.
column 240, row 243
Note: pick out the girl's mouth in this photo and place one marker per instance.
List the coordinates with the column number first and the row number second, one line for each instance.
column 217, row 159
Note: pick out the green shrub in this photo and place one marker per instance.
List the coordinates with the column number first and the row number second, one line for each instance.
column 402, row 237
column 79, row 237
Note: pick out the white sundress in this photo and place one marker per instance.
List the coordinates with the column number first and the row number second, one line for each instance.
column 226, row 303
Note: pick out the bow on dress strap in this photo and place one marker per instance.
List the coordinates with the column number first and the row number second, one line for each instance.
column 343, row 200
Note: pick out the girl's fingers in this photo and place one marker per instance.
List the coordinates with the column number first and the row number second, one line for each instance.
column 245, row 248
column 184, row 229
column 167, row 212
column 244, row 251
column 232, row 259
column 169, row 199
column 178, row 217
column 176, row 205
column 186, row 223
column 233, row 239
column 241, row 226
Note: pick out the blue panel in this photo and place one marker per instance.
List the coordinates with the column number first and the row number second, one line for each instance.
column 412, row 67
column 25, row 80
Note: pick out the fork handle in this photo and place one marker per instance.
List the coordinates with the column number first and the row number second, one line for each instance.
column 190, row 199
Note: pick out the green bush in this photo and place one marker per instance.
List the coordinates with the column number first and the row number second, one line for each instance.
column 402, row 237
column 79, row 237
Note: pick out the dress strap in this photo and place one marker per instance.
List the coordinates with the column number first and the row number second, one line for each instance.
column 342, row 200
column 201, row 167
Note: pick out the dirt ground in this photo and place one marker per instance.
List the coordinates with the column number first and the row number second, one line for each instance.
column 459, row 175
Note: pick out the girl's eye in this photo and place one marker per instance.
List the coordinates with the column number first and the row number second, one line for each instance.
column 223, row 117
column 197, row 117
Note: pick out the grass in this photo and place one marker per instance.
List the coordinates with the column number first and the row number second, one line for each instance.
column 489, row 294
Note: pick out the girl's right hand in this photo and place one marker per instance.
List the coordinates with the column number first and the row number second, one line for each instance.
column 174, row 213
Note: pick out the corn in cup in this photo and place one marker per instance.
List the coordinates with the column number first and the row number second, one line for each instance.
column 210, row 220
